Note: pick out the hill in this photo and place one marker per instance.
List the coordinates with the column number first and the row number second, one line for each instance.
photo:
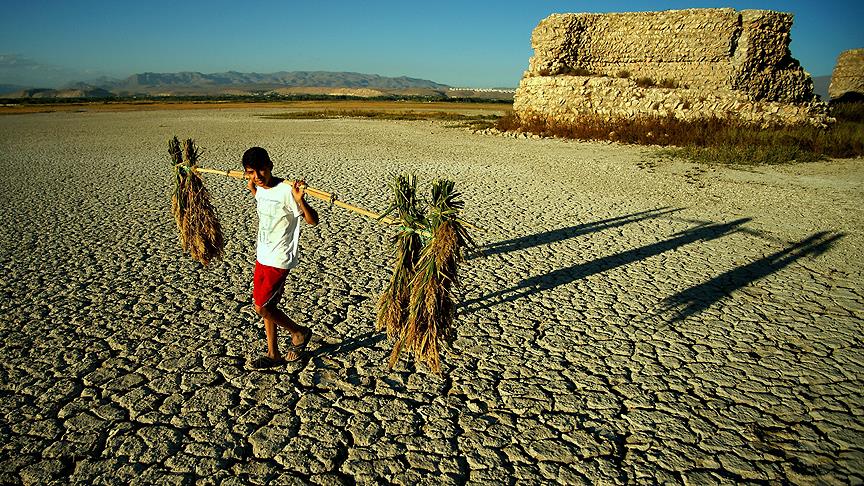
column 10, row 88
column 233, row 83
column 81, row 91
column 820, row 86
column 282, row 78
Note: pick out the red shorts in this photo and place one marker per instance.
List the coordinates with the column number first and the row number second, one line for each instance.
column 268, row 284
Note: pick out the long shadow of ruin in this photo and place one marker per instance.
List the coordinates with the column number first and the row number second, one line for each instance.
column 563, row 276
column 700, row 297
column 561, row 234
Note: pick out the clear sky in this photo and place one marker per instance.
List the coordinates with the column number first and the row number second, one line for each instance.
column 460, row 43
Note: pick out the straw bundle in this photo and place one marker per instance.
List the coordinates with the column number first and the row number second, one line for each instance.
column 427, row 319
column 393, row 303
column 196, row 218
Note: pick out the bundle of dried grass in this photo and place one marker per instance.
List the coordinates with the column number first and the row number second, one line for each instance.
column 428, row 319
column 393, row 303
column 196, row 218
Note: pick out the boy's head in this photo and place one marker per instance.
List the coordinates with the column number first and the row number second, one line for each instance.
column 258, row 166
column 256, row 158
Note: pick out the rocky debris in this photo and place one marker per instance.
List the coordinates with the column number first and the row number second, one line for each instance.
column 625, row 326
column 665, row 61
column 848, row 76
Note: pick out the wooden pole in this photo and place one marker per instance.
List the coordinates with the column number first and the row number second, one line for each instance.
column 326, row 196
column 316, row 193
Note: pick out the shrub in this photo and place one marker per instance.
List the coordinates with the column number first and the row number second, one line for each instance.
column 711, row 140
column 623, row 74
column 848, row 111
column 668, row 83
column 644, row 82
column 578, row 71
column 509, row 122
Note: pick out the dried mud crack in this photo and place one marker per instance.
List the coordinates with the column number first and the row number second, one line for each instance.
column 681, row 324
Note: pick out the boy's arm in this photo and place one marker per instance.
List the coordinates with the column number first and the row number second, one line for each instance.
column 251, row 186
column 298, row 190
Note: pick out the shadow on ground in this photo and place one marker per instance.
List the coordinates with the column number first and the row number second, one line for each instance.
column 700, row 297
column 561, row 234
column 365, row 340
column 562, row 276
column 687, row 302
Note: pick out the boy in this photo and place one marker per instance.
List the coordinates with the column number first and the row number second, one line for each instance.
column 280, row 205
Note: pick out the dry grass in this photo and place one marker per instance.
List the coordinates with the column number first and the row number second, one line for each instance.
column 393, row 304
column 461, row 120
column 709, row 140
column 197, row 222
column 417, row 308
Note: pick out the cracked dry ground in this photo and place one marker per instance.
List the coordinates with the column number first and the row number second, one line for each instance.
column 634, row 320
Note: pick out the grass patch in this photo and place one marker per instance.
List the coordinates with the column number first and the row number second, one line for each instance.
column 477, row 122
column 848, row 111
column 644, row 82
column 709, row 140
column 669, row 83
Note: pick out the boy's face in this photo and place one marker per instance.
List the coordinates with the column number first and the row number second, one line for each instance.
column 260, row 177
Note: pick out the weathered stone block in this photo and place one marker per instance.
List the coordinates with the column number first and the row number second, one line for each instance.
column 848, row 75
column 687, row 63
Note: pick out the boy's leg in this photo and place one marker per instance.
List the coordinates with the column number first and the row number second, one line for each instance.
column 297, row 331
column 275, row 318
column 272, row 339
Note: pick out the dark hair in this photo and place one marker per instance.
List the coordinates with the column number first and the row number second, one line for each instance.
column 256, row 158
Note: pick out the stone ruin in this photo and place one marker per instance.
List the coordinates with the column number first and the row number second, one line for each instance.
column 847, row 80
column 689, row 64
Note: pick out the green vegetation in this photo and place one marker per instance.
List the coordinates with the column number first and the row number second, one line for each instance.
column 477, row 122
column 714, row 140
column 848, row 111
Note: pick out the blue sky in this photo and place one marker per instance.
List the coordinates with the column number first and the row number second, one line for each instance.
column 467, row 43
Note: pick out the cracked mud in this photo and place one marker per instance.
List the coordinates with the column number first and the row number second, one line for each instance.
column 634, row 320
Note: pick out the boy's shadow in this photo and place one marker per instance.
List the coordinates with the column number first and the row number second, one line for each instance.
column 366, row 340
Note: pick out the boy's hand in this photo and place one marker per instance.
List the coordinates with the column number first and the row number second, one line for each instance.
column 298, row 190
column 250, row 185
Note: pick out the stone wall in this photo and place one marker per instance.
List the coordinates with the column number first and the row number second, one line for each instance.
column 567, row 98
column 713, row 62
column 848, row 75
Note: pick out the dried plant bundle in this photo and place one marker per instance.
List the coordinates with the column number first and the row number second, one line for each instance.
column 197, row 222
column 428, row 319
column 393, row 303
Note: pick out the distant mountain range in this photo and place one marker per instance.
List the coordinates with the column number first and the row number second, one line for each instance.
column 236, row 83
column 280, row 79
column 283, row 82
column 820, row 86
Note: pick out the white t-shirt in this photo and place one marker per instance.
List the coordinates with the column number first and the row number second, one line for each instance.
column 278, row 226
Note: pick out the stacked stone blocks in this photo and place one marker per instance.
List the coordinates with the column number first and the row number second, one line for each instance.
column 847, row 80
column 723, row 62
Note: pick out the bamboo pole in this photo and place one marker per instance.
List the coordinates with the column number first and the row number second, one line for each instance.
column 326, row 196
column 316, row 193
